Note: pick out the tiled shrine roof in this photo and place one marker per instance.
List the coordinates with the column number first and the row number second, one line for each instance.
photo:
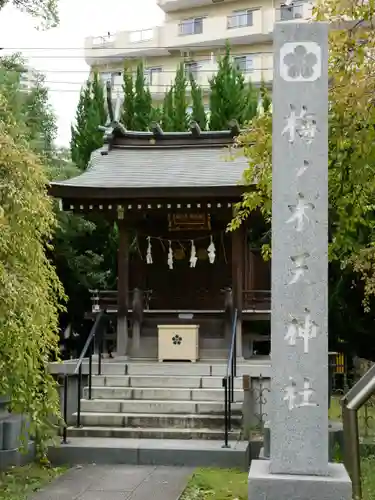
column 135, row 160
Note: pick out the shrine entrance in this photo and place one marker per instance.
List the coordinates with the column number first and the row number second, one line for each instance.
column 183, row 268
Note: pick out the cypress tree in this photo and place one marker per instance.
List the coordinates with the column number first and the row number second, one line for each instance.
column 142, row 101
column 76, row 141
column 156, row 114
column 91, row 112
column 251, row 104
column 265, row 97
column 98, row 101
column 227, row 94
column 198, row 113
column 167, row 120
column 128, row 107
column 180, row 116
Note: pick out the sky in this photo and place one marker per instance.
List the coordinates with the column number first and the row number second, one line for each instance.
column 58, row 52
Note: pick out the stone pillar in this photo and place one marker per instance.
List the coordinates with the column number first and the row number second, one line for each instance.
column 298, row 467
column 122, row 290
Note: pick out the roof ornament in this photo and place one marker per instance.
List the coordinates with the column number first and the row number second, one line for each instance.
column 113, row 120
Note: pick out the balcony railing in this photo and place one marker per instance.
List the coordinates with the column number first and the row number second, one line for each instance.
column 141, row 36
column 101, row 41
column 123, row 43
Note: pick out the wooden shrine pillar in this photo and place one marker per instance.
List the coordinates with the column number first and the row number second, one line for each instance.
column 238, row 245
column 122, row 289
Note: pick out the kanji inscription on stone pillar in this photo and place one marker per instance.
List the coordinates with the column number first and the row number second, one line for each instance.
column 299, row 418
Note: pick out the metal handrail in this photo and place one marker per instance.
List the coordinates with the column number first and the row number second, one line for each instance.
column 88, row 342
column 233, row 343
column 228, row 380
column 87, row 349
column 353, row 400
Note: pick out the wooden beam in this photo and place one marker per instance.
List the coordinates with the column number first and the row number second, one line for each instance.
column 69, row 192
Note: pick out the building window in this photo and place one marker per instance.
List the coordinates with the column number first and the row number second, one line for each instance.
column 191, row 68
column 240, row 19
column 244, row 63
column 191, row 26
column 152, row 76
column 289, row 12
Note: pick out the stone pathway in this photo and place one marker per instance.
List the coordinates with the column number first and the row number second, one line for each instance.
column 117, row 482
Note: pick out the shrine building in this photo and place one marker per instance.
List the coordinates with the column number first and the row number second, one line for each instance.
column 172, row 196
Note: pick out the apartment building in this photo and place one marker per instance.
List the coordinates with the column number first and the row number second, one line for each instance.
column 195, row 32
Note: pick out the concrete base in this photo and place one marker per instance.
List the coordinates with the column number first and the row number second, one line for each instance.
column 194, row 453
column 335, row 443
column 266, row 486
column 12, row 458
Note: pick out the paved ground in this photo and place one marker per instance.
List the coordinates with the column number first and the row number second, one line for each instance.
column 117, row 482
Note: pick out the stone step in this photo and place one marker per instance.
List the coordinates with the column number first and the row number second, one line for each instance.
column 151, row 433
column 164, row 393
column 182, row 368
column 157, row 420
column 157, row 381
column 184, row 452
column 154, row 406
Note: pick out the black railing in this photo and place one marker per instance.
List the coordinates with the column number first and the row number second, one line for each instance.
column 94, row 340
column 228, row 381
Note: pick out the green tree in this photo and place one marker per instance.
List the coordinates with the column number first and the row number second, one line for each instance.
column 84, row 247
column 128, row 108
column 198, row 112
column 80, row 145
column 351, row 157
column 250, row 108
column 156, row 114
column 228, row 94
column 29, row 104
column 265, row 97
column 98, row 101
column 91, row 112
column 180, row 116
column 45, row 10
column 142, row 101
column 30, row 291
column 167, row 119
